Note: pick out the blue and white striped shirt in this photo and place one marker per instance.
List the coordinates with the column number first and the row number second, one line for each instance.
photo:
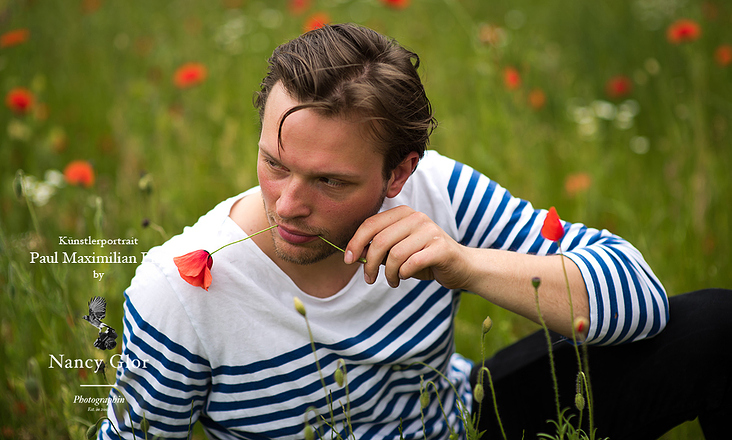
column 238, row 358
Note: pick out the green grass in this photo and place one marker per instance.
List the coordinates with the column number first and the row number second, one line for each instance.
column 105, row 78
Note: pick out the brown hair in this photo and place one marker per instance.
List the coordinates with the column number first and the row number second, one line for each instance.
column 349, row 70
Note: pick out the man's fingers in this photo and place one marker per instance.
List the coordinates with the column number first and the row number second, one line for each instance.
column 360, row 242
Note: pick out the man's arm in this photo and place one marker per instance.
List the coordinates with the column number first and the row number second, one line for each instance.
column 411, row 245
column 494, row 248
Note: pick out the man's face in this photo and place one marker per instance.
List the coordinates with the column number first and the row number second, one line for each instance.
column 326, row 180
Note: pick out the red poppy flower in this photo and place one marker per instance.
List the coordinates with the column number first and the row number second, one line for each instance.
column 682, row 31
column 723, row 55
column 80, row 173
column 19, row 100
column 511, row 78
column 297, row 7
column 316, row 21
column 189, row 75
column 618, row 86
column 396, row 4
column 552, row 228
column 195, row 268
column 14, row 37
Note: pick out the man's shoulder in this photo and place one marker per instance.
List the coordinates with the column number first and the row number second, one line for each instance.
column 158, row 272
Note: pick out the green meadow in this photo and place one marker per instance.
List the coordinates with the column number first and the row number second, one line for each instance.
column 595, row 108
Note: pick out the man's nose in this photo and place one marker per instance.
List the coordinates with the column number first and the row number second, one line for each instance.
column 294, row 199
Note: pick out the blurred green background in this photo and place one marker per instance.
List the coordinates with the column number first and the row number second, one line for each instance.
column 587, row 106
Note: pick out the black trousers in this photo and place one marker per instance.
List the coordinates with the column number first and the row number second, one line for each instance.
column 641, row 390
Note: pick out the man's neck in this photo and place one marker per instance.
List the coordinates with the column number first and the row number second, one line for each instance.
column 322, row 279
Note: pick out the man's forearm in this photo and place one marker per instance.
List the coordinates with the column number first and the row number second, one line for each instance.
column 504, row 278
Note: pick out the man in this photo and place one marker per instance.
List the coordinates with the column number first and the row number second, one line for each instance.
column 345, row 122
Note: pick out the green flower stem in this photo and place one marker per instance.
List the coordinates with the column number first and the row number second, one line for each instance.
column 245, row 238
column 549, row 347
column 362, row 260
column 585, row 370
column 493, row 394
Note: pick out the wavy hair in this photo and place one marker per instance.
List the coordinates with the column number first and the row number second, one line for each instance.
column 352, row 71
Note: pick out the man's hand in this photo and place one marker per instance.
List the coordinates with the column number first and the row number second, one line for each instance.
column 409, row 244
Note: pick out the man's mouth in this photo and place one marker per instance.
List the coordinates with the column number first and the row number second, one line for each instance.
column 295, row 236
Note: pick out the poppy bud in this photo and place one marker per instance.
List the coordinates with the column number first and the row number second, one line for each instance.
column 299, row 306
column 338, row 375
column 579, row 401
column 424, row 399
column 487, row 324
column 309, row 433
column 92, row 431
column 144, row 425
column 536, row 282
column 478, row 393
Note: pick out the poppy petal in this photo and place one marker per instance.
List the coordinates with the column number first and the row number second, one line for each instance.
column 552, row 228
column 194, row 267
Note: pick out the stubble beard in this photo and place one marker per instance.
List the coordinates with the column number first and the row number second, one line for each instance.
column 319, row 250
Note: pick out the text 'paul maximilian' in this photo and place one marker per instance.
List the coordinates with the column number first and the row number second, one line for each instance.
column 75, row 258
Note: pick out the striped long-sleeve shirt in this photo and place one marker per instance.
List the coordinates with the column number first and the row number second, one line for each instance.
column 239, row 360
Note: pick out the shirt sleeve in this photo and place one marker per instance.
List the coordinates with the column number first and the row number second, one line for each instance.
column 627, row 301
column 163, row 372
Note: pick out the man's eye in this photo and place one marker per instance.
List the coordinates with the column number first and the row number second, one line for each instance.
column 274, row 165
column 333, row 183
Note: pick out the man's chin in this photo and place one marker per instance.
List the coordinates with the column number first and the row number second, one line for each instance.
column 303, row 256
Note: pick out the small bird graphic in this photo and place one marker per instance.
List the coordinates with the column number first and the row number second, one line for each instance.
column 97, row 312
column 106, row 340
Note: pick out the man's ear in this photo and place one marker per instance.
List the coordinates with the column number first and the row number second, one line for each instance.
column 401, row 173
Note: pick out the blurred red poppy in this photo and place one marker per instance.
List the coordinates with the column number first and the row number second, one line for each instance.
column 577, row 183
column 316, row 21
column 90, row 6
column 195, row 268
column 511, row 78
column 552, row 228
column 20, row 100
column 396, row 4
column 79, row 173
column 618, row 86
column 682, row 31
column 723, row 55
column 537, row 99
column 189, row 75
column 297, row 7
column 581, row 326
column 14, row 37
